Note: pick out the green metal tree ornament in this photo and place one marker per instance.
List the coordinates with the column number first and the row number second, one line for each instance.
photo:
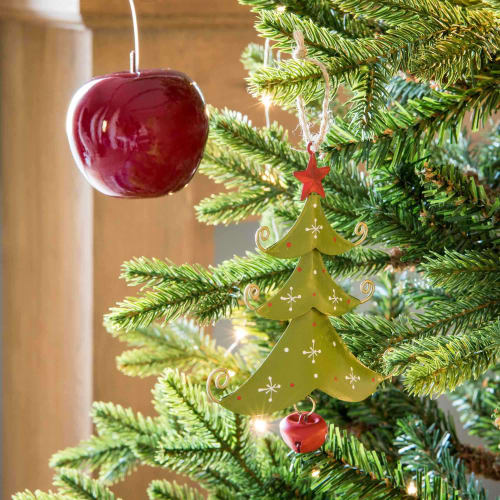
column 310, row 354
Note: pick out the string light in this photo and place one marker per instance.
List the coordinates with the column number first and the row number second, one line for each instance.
column 240, row 333
column 267, row 100
column 315, row 473
column 281, row 8
column 259, row 425
column 412, row 489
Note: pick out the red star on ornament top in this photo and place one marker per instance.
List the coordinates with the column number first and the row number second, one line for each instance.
column 312, row 177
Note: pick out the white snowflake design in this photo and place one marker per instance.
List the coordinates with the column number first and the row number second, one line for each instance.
column 315, row 228
column 270, row 388
column 291, row 299
column 313, row 352
column 352, row 379
column 335, row 299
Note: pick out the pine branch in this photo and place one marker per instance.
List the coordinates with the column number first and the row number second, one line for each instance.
column 180, row 345
column 113, row 458
column 39, row 495
column 433, row 366
column 209, row 294
column 233, row 130
column 407, row 129
column 456, row 194
column 370, row 97
column 476, row 403
column 166, row 490
column 352, row 472
column 433, row 447
column 78, row 486
column 141, row 433
column 228, row 208
column 463, row 272
column 236, row 171
column 211, row 435
column 440, row 318
column 321, row 13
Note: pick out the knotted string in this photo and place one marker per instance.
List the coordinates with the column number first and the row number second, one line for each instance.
column 300, row 53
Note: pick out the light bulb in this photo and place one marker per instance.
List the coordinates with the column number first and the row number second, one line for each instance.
column 315, row 473
column 412, row 489
column 281, row 8
column 240, row 333
column 267, row 100
column 259, row 425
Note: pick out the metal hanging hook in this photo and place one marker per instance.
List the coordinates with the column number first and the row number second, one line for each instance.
column 134, row 55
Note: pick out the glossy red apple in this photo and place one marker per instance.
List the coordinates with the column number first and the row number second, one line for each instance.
column 303, row 432
column 138, row 135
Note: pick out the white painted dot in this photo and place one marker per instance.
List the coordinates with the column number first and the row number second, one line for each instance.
column 315, row 375
column 286, row 349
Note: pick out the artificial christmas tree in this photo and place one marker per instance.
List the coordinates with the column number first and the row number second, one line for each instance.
column 401, row 161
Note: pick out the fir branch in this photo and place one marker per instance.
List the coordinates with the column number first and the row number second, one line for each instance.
column 210, row 433
column 209, row 294
column 38, row 495
column 476, row 403
column 433, row 366
column 141, row 433
column 227, row 208
column 441, row 318
column 236, row 171
column 113, row 458
column 233, row 130
column 352, row 472
column 463, row 272
column 402, row 88
column 368, row 85
column 321, row 13
column 179, row 345
column 433, row 447
column 166, row 490
column 78, row 486
column 407, row 129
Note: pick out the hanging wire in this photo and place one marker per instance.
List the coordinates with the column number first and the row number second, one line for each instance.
column 134, row 55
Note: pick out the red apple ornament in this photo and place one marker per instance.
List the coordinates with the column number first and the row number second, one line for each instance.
column 138, row 134
column 303, row 432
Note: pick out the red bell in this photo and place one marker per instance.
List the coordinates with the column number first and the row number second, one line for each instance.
column 304, row 432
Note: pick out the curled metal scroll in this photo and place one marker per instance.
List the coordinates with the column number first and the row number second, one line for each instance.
column 367, row 288
column 251, row 292
column 308, row 413
column 361, row 229
column 221, row 381
column 262, row 234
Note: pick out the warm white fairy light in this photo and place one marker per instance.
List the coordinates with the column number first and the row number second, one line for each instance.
column 240, row 333
column 259, row 425
column 281, row 8
column 267, row 100
column 412, row 488
column 315, row 473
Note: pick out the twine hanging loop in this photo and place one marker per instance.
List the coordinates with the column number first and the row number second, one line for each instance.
column 300, row 53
